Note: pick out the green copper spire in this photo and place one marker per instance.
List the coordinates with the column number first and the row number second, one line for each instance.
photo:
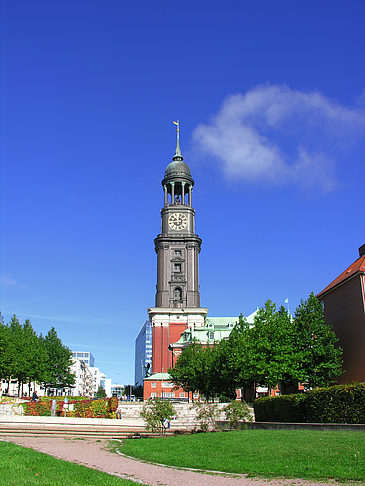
column 177, row 151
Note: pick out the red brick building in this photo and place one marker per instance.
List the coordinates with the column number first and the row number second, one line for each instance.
column 159, row 385
column 344, row 310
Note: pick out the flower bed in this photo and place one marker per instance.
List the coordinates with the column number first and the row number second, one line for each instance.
column 102, row 408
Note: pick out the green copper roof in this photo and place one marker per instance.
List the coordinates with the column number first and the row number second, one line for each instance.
column 214, row 329
column 177, row 167
column 221, row 321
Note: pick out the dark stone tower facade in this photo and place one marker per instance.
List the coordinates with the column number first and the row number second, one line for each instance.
column 177, row 246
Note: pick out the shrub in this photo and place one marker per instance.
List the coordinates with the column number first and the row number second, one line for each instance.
column 284, row 408
column 336, row 404
column 237, row 411
column 207, row 415
column 155, row 412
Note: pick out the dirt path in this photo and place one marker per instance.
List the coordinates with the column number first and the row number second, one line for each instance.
column 95, row 455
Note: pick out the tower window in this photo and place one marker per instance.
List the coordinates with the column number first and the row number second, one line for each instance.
column 177, row 267
column 178, row 252
column 178, row 294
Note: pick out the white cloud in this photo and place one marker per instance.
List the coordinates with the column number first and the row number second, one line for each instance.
column 277, row 134
column 81, row 321
column 8, row 281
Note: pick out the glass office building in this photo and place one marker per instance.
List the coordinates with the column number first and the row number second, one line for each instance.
column 143, row 353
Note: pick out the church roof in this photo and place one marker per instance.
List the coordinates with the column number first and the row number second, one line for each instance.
column 177, row 167
column 221, row 321
column 355, row 268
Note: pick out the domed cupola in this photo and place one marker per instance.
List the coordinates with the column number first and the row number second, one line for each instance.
column 178, row 181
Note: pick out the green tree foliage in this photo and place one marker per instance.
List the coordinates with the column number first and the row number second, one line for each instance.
column 27, row 357
column 59, row 361
column 184, row 374
column 155, row 412
column 239, row 357
column 100, row 393
column 319, row 353
column 198, row 369
column 275, row 350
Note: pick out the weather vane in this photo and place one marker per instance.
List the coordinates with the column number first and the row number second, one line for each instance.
column 177, row 123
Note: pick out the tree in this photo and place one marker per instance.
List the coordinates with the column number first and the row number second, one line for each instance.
column 100, row 393
column 7, row 351
column 275, row 350
column 320, row 354
column 239, row 357
column 184, row 372
column 59, row 361
column 17, row 349
column 196, row 370
column 279, row 360
column 35, row 356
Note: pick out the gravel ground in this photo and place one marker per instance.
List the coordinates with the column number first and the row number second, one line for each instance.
column 94, row 454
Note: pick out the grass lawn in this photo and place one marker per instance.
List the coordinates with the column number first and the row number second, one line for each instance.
column 318, row 455
column 19, row 465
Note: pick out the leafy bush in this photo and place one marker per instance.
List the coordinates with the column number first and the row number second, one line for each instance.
column 207, row 414
column 103, row 408
column 336, row 404
column 284, row 408
column 155, row 412
column 237, row 411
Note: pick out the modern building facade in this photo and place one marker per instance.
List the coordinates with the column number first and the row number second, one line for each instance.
column 143, row 353
column 84, row 356
column 84, row 383
column 99, row 379
column 344, row 310
column 117, row 390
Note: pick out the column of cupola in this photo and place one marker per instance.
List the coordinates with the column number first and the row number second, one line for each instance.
column 173, row 188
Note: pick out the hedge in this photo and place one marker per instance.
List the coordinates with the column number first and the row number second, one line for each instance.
column 284, row 408
column 102, row 408
column 336, row 404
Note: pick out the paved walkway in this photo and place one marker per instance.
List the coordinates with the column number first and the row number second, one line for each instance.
column 95, row 455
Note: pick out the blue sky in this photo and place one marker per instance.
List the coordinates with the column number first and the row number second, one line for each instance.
column 272, row 107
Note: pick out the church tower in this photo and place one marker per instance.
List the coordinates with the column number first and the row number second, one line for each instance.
column 177, row 248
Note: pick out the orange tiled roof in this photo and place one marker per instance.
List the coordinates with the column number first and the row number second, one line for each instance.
column 357, row 267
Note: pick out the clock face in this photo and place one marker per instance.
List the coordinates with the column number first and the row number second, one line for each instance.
column 178, row 221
